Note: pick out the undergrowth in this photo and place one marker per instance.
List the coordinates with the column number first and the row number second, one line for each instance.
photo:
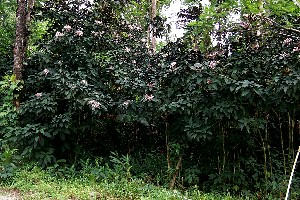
column 35, row 183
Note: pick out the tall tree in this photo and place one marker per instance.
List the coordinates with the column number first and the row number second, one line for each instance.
column 22, row 22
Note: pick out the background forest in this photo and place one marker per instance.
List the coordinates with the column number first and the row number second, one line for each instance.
column 103, row 85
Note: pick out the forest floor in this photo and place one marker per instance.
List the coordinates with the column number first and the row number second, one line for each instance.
column 31, row 183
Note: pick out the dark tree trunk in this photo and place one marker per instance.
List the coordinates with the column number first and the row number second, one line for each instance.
column 21, row 37
column 22, row 22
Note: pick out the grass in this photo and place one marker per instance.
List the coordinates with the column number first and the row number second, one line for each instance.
column 35, row 183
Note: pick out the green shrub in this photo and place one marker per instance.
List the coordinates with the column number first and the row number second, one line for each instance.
column 8, row 123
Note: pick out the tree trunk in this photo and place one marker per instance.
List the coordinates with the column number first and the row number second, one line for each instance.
column 21, row 37
column 22, row 22
column 173, row 181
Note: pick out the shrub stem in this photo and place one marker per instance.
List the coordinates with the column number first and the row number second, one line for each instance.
column 292, row 174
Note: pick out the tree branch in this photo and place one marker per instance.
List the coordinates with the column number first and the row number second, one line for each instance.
column 172, row 183
column 279, row 25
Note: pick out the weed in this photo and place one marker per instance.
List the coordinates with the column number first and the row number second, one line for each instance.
column 35, row 183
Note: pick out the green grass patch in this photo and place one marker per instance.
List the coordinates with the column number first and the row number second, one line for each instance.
column 35, row 183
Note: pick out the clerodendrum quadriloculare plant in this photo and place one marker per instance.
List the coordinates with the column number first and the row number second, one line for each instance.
column 236, row 100
column 227, row 112
column 69, row 91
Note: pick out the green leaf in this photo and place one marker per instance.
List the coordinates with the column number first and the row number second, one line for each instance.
column 245, row 92
column 47, row 134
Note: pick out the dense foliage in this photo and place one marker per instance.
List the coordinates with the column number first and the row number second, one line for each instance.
column 218, row 108
column 7, row 34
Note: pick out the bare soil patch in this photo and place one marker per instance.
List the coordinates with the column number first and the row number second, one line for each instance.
column 9, row 194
